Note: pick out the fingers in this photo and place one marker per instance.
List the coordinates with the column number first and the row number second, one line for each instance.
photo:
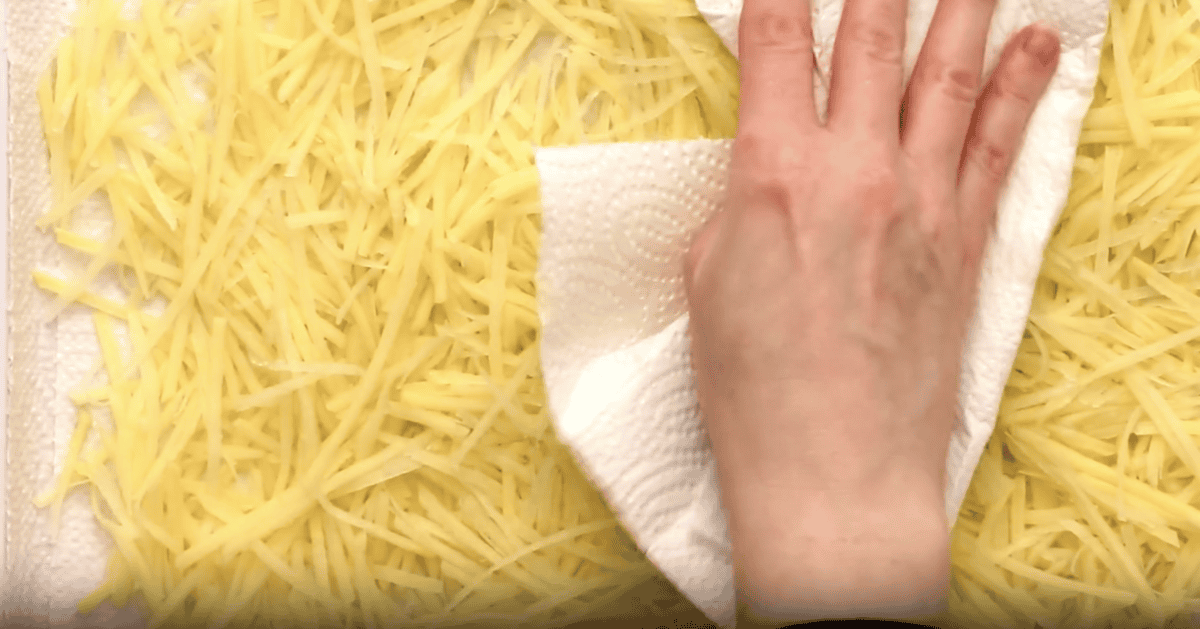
column 1008, row 101
column 775, row 45
column 945, row 85
column 868, row 72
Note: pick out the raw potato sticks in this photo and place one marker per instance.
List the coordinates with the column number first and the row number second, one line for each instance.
column 320, row 396
column 1085, row 510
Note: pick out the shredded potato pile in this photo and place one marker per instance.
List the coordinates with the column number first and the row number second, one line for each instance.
column 320, row 397
column 1085, row 510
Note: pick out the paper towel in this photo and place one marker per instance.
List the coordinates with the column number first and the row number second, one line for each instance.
column 45, row 573
column 3, row 286
column 617, row 221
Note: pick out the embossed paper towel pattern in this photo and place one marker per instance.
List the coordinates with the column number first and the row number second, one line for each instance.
column 47, row 571
column 617, row 221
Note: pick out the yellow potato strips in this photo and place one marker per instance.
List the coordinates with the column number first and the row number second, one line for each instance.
column 319, row 399
column 1085, row 510
column 319, row 395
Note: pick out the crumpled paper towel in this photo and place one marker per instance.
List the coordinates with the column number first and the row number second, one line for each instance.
column 617, row 221
column 45, row 572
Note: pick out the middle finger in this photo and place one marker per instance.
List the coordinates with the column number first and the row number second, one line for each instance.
column 868, row 68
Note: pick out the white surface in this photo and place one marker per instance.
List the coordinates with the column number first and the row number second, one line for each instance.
column 617, row 221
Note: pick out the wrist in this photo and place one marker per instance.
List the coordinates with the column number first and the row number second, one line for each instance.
column 839, row 555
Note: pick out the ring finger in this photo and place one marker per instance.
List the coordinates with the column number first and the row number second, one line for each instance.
column 945, row 85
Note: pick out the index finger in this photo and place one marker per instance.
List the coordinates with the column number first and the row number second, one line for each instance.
column 775, row 45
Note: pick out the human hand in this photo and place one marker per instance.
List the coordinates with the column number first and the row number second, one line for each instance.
column 830, row 297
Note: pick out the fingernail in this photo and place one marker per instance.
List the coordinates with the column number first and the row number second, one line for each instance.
column 1042, row 44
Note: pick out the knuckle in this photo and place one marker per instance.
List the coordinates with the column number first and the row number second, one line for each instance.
column 754, row 151
column 1014, row 85
column 878, row 181
column 766, row 157
column 925, row 155
column 876, row 196
column 773, row 192
column 775, row 31
column 877, row 42
column 955, row 82
column 992, row 158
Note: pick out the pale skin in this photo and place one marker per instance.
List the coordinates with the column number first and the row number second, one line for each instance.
column 831, row 295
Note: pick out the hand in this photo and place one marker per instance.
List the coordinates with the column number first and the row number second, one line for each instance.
column 830, row 298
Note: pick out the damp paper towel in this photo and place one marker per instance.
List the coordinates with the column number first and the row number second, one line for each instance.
column 617, row 221
column 46, row 571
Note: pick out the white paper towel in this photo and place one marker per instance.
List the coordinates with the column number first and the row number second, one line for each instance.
column 46, row 572
column 617, row 221
column 3, row 288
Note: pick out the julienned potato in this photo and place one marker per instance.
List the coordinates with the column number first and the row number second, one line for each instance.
column 1084, row 509
column 335, row 409
column 339, row 414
